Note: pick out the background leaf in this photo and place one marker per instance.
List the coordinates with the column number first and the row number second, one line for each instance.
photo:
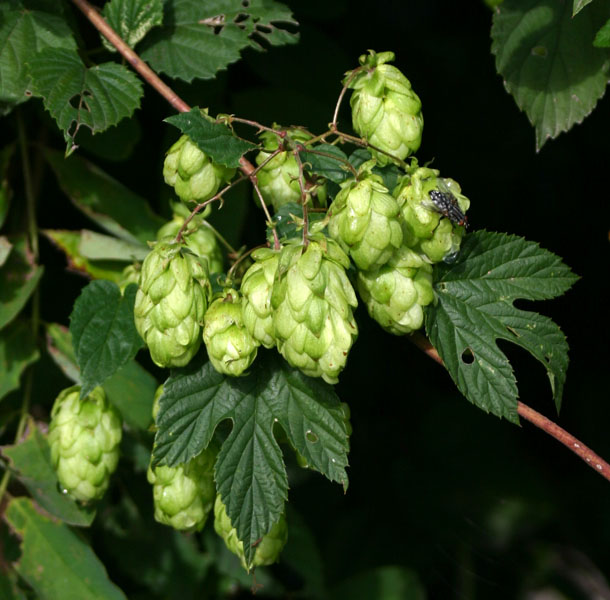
column 215, row 139
column 97, row 97
column 59, row 346
column 579, row 5
column 17, row 351
column 548, row 62
column 475, row 308
column 288, row 221
column 602, row 37
column 198, row 39
column 132, row 19
column 56, row 562
column 389, row 173
column 6, row 154
column 323, row 164
column 103, row 332
column 385, row 583
column 96, row 246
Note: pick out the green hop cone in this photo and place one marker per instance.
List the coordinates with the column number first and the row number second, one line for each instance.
column 170, row 303
column 256, row 288
column 425, row 228
column 313, row 304
column 130, row 274
column 278, row 180
column 396, row 293
column 184, row 495
column 385, row 110
column 230, row 346
column 364, row 220
column 192, row 174
column 267, row 550
column 84, row 437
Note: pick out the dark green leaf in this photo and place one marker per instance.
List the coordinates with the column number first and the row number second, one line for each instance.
column 250, row 472
column 602, row 37
column 96, row 97
column 288, row 221
column 18, row 279
column 55, row 561
column 17, row 351
column 330, row 162
column 198, row 39
column 103, row 332
column 215, row 139
column 384, row 583
column 132, row 19
column 23, row 34
column 32, row 461
column 115, row 144
column 104, row 200
column 475, row 308
column 579, row 5
column 548, row 62
column 96, row 246
column 390, row 173
column 6, row 193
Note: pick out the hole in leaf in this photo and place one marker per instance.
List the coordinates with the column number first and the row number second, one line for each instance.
column 75, row 101
column 263, row 29
column 241, row 18
column 245, row 3
column 468, row 356
column 311, row 436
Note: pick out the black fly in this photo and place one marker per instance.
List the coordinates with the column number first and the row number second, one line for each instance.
column 446, row 204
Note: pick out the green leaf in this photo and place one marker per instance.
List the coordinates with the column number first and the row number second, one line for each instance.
column 59, row 347
column 579, row 5
column 330, row 163
column 602, row 37
column 96, row 97
column 24, row 33
column 548, row 62
column 69, row 242
column 103, row 332
column 55, row 561
column 250, row 472
column 215, row 139
column 17, row 351
column 6, row 192
column 198, row 39
column 96, row 246
column 115, row 144
column 389, row 173
column 383, row 583
column 32, row 460
column 104, row 200
column 19, row 277
column 5, row 249
column 475, row 308
column 132, row 19
column 288, row 221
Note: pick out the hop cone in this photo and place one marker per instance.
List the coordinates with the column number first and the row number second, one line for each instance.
column 84, row 436
column 130, row 274
column 230, row 346
column 267, row 550
column 313, row 300
column 256, row 288
column 278, row 180
column 385, row 110
column 396, row 293
column 192, row 174
column 184, row 495
column 364, row 220
column 198, row 238
column 170, row 304
column 425, row 229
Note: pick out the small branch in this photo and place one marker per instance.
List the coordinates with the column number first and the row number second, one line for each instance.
column 529, row 414
column 303, row 196
column 353, row 74
column 276, row 240
column 360, row 142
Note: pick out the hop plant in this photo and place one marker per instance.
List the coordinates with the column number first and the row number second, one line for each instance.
column 230, row 346
column 130, row 274
column 256, row 288
column 364, row 220
column 267, row 550
column 170, row 303
column 278, row 180
column 192, row 174
column 396, row 293
column 432, row 213
column 184, row 495
column 84, row 437
column 385, row 110
column 313, row 303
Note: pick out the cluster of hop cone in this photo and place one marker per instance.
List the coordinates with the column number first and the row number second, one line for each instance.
column 297, row 296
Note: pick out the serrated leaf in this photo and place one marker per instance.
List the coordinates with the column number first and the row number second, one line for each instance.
column 474, row 308
column 31, row 459
column 579, row 5
column 96, row 97
column 198, row 39
column 132, row 19
column 104, row 335
column 602, row 37
column 19, row 277
column 55, row 561
column 328, row 161
column 250, row 472
column 215, row 139
column 96, row 246
column 288, row 221
column 17, row 351
column 23, row 34
column 548, row 62
column 104, row 200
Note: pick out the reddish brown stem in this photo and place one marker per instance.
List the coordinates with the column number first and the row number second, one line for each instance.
column 561, row 435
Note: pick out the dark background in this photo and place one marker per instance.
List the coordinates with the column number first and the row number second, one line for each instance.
column 477, row 507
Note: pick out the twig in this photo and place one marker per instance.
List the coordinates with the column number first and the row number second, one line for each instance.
column 353, row 74
column 529, row 414
column 303, row 196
